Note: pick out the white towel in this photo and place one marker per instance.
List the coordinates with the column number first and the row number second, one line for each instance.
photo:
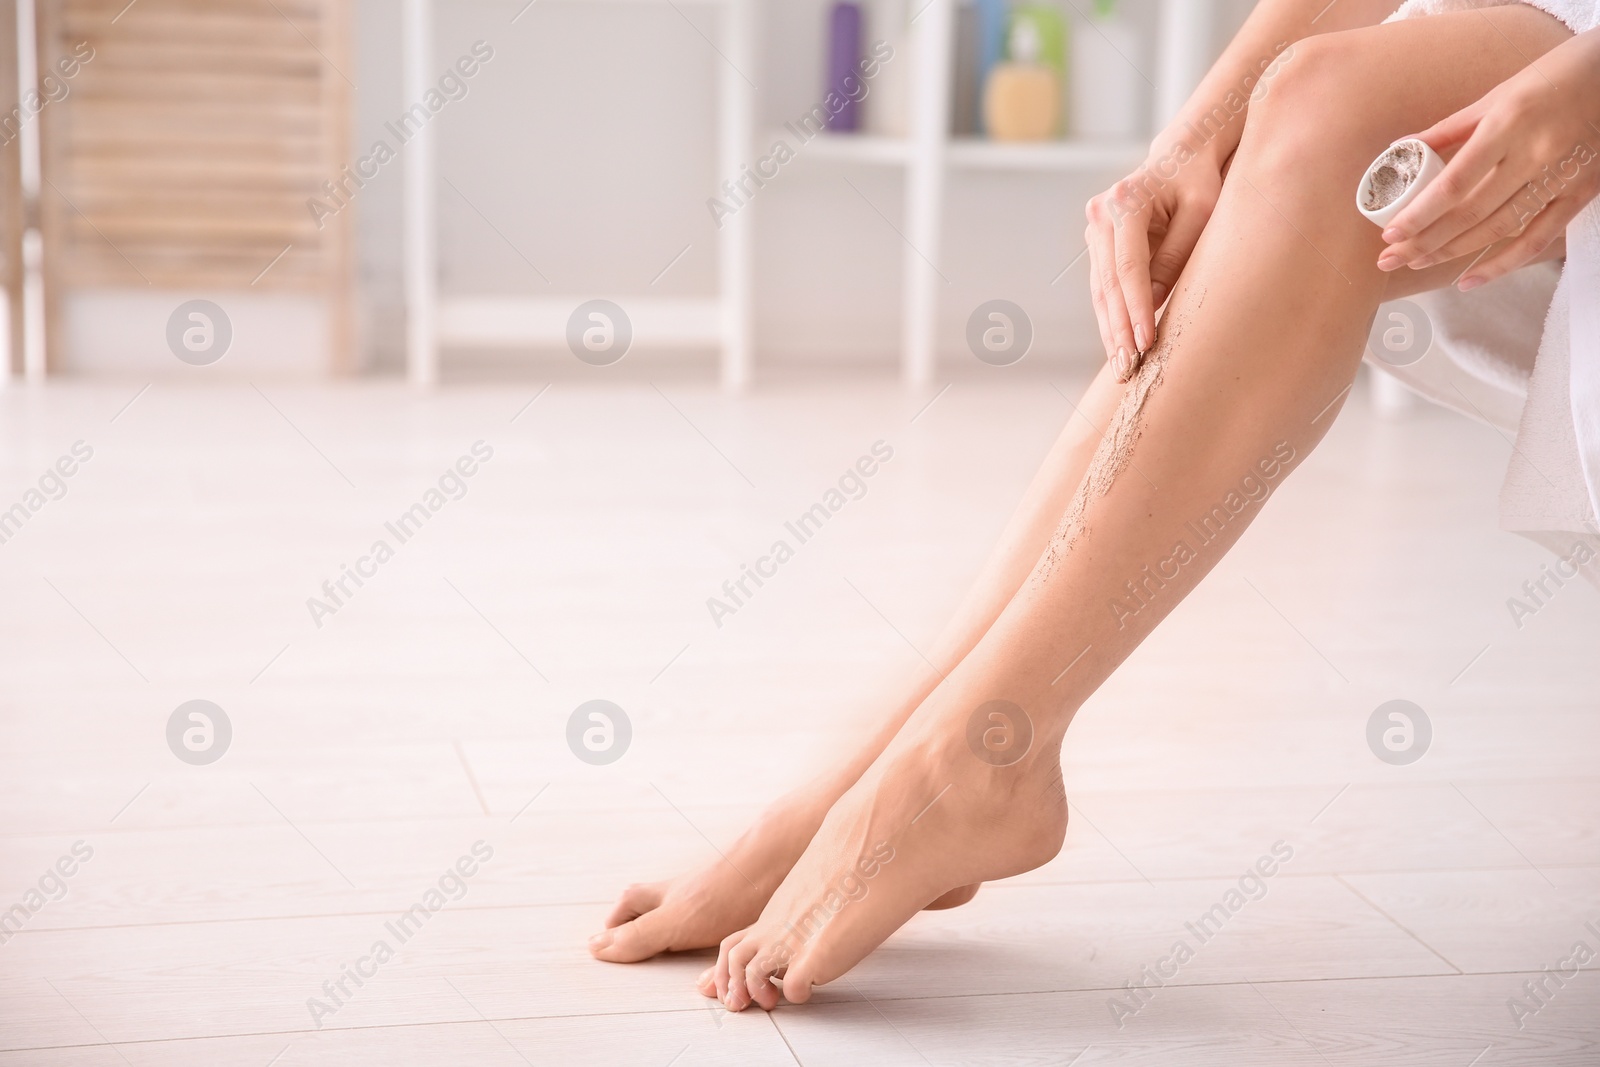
column 1480, row 363
column 1581, row 285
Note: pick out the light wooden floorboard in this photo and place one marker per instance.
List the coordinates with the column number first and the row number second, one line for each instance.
column 429, row 712
column 684, row 1037
column 1437, row 1022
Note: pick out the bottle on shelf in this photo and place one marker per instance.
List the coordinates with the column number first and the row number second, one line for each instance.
column 1022, row 98
column 844, row 74
column 992, row 17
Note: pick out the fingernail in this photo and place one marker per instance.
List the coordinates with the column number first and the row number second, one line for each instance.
column 1138, row 338
column 1469, row 283
column 1158, row 293
column 1393, row 235
column 1120, row 364
column 1425, row 261
column 1389, row 262
column 601, row 940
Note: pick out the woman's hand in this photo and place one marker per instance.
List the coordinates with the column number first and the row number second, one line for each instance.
column 1529, row 162
column 1140, row 234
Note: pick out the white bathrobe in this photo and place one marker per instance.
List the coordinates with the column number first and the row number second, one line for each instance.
column 1523, row 354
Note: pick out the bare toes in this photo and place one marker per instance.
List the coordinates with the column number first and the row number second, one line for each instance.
column 635, row 901
column 758, row 979
column 797, row 981
column 739, row 957
column 720, row 971
column 646, row 936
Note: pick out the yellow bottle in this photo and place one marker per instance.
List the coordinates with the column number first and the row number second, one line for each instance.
column 1022, row 99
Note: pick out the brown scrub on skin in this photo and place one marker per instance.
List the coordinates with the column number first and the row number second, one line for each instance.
column 1115, row 451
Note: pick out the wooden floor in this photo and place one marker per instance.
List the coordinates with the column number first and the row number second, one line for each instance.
column 428, row 712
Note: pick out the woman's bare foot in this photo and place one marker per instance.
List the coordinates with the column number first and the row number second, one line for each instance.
column 698, row 910
column 928, row 819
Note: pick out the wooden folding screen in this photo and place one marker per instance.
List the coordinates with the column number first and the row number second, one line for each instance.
column 184, row 155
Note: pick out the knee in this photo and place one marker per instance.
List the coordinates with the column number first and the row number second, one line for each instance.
column 1310, row 112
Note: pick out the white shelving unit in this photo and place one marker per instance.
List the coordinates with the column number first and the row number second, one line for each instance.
column 1052, row 156
column 976, row 153
column 926, row 154
column 1183, row 53
column 435, row 321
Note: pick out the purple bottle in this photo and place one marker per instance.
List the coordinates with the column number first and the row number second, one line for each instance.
column 844, row 71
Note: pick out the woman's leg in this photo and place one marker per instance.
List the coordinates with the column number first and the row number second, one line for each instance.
column 1259, row 344
column 700, row 909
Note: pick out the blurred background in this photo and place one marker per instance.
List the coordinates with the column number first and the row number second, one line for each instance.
column 608, row 293
column 252, row 152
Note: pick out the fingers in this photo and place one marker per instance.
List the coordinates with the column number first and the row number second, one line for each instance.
column 1139, row 240
column 1508, row 219
column 1493, row 200
column 1451, row 188
column 1127, row 281
column 1117, row 333
column 1097, row 296
column 1100, row 253
column 631, row 942
column 1116, row 257
column 707, row 982
column 1453, row 130
column 1176, row 246
column 1131, row 238
column 1121, row 348
column 1547, row 226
